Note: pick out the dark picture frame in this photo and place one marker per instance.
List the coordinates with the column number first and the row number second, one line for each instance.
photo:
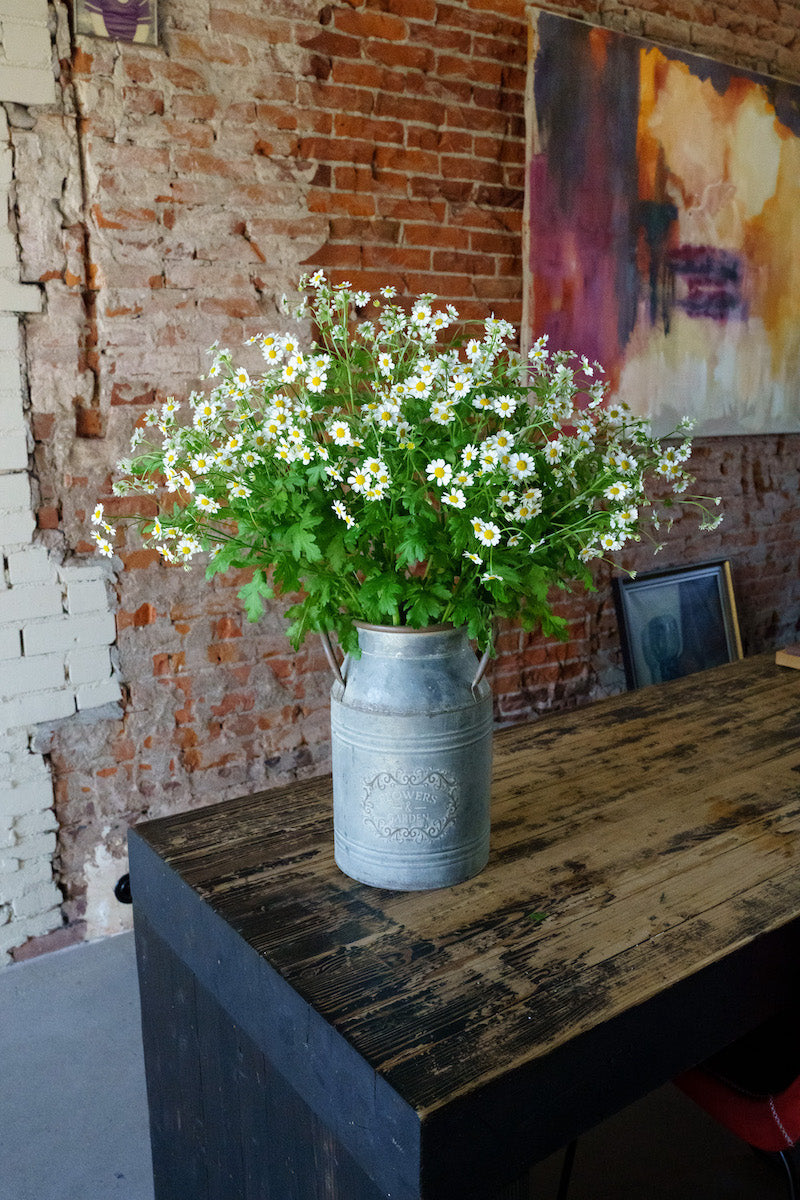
column 677, row 621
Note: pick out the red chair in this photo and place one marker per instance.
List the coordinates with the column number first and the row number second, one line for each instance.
column 752, row 1088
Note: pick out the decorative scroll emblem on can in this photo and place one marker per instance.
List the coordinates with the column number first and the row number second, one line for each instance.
column 410, row 805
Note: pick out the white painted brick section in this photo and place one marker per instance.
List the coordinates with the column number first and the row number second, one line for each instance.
column 13, row 447
column 26, row 74
column 25, row 798
column 15, row 492
column 16, row 528
column 32, row 710
column 86, row 596
column 19, row 297
column 9, row 331
column 56, row 623
column 35, row 825
column 68, row 632
column 41, row 673
column 88, row 666
column 10, row 642
column 29, row 601
column 95, row 695
column 31, row 565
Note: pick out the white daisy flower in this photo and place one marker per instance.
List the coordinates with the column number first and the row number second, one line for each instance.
column 502, row 442
column 459, row 384
column 489, row 534
column 538, row 351
column 521, row 466
column 418, row 386
column 617, row 491
column 206, row 504
column 340, row 433
column 187, row 547
column 456, row 498
column 473, row 558
column 441, row 413
column 359, row 479
column 103, row 545
column 205, row 412
column 97, row 515
column 504, row 406
column 439, row 472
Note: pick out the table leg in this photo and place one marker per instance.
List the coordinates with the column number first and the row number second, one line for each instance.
column 223, row 1122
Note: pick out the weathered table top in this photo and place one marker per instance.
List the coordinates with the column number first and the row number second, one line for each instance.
column 639, row 846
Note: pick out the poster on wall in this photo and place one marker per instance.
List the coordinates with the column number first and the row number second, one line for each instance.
column 120, row 20
column 662, row 226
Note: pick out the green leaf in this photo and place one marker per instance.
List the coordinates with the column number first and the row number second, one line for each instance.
column 425, row 610
column 253, row 595
column 303, row 543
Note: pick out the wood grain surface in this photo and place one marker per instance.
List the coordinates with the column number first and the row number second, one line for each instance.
column 633, row 842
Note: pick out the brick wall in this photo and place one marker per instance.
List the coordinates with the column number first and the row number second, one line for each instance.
column 165, row 199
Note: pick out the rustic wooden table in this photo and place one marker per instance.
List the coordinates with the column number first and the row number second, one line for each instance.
column 311, row 1038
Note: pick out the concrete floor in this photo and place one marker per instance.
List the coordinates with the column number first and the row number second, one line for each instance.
column 73, row 1113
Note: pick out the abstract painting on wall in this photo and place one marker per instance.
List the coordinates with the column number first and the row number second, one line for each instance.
column 663, row 226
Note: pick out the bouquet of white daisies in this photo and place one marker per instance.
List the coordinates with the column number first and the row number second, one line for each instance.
column 393, row 473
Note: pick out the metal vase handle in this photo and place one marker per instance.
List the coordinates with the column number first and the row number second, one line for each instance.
column 340, row 672
column 331, row 657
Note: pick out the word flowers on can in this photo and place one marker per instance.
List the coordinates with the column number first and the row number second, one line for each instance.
column 386, row 474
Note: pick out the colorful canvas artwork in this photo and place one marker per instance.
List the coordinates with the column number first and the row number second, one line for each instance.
column 663, row 225
column 120, row 20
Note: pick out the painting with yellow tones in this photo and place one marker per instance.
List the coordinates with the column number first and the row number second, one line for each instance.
column 663, row 226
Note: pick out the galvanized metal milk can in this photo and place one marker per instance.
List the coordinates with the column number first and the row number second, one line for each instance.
column 411, row 723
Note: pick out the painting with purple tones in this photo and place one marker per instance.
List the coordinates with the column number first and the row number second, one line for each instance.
column 120, row 20
column 662, row 226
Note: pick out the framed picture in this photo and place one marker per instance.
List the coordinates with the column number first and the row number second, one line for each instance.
column 119, row 20
column 677, row 621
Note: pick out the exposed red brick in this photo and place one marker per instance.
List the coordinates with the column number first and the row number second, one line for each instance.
column 48, row 518
column 43, row 425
